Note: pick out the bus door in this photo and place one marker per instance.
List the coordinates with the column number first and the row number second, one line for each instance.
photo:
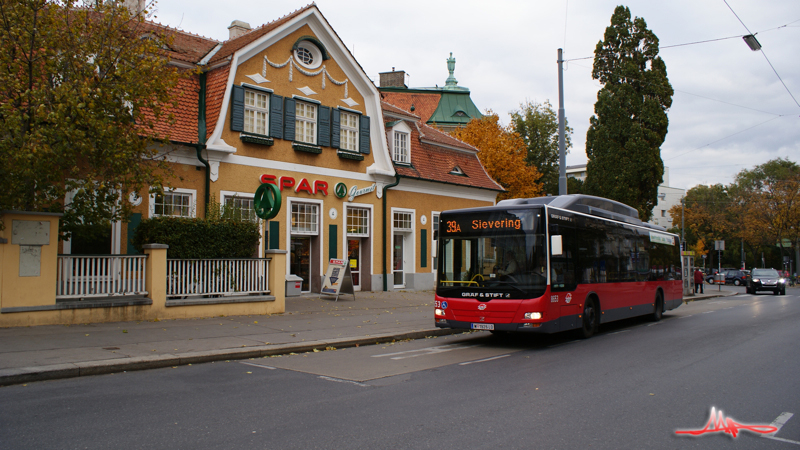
column 562, row 270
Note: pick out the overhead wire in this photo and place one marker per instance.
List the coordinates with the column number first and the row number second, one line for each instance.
column 765, row 54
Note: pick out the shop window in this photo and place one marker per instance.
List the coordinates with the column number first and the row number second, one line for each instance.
column 358, row 222
column 402, row 221
column 239, row 208
column 305, row 218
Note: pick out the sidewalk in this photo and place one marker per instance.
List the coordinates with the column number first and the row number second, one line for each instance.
column 63, row 351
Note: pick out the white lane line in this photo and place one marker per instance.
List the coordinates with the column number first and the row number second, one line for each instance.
column 339, row 380
column 257, row 365
column 424, row 351
column 778, row 423
column 482, row 360
column 618, row 332
column 690, row 315
column 707, row 312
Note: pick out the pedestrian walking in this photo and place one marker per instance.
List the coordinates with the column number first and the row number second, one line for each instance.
column 698, row 281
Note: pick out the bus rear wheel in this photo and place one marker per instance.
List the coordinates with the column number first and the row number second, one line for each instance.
column 591, row 318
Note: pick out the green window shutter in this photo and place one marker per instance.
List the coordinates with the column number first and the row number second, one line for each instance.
column 237, row 109
column 333, row 236
column 423, row 251
column 133, row 222
column 363, row 139
column 276, row 116
column 336, row 130
column 324, row 126
column 288, row 119
column 274, row 235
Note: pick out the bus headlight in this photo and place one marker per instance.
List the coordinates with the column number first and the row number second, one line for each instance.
column 533, row 315
column 438, row 312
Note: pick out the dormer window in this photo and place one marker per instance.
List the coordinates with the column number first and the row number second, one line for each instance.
column 457, row 171
column 400, row 141
column 400, row 153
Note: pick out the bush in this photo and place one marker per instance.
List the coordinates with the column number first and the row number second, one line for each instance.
column 199, row 238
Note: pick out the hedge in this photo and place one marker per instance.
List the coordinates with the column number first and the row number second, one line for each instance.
column 199, row 238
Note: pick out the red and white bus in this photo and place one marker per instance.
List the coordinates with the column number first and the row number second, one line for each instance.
column 552, row 264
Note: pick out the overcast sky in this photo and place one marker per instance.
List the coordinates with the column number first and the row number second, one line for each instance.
column 730, row 111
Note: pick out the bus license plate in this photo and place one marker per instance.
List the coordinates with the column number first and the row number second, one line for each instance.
column 483, row 326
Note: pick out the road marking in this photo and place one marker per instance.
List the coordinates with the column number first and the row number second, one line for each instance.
column 339, row 380
column 424, row 351
column 655, row 323
column 482, row 360
column 707, row 312
column 618, row 332
column 690, row 315
column 778, row 423
column 257, row 365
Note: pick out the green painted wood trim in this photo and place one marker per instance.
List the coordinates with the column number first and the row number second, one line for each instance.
column 333, row 237
column 424, row 248
column 274, row 237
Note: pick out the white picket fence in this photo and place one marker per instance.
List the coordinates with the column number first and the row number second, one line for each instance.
column 94, row 276
column 217, row 277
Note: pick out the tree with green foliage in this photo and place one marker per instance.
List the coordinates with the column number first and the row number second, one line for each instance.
column 81, row 91
column 706, row 217
column 537, row 124
column 630, row 122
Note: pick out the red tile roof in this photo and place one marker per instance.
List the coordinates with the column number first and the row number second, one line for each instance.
column 424, row 104
column 231, row 46
column 434, row 154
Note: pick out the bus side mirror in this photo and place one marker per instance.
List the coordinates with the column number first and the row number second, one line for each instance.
column 555, row 246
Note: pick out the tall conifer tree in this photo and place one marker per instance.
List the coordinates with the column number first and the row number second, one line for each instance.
column 630, row 122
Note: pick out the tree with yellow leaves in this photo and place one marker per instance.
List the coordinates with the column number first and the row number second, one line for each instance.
column 502, row 153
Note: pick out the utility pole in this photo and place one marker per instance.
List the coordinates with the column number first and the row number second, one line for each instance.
column 562, row 150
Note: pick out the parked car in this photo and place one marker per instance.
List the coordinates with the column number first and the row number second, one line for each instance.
column 735, row 277
column 766, row 280
column 713, row 272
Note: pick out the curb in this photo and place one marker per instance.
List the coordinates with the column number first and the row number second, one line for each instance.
column 88, row 368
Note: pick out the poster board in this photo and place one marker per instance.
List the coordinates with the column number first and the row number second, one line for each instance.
column 338, row 279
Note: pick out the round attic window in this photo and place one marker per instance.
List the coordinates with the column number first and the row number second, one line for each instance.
column 308, row 55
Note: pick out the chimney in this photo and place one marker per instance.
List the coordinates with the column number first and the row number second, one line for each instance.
column 395, row 78
column 238, row 28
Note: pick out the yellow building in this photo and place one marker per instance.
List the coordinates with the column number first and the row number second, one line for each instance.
column 287, row 104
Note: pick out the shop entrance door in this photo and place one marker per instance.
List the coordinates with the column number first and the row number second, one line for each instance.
column 398, row 264
column 354, row 257
column 300, row 261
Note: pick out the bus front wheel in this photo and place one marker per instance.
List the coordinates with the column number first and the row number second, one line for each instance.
column 591, row 318
column 658, row 310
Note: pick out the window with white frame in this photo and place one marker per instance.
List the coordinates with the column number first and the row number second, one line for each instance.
column 240, row 208
column 173, row 203
column 305, row 218
column 358, row 222
column 256, row 112
column 402, row 221
column 349, row 131
column 400, row 153
column 305, row 122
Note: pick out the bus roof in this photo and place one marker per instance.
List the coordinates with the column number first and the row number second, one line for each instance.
column 585, row 204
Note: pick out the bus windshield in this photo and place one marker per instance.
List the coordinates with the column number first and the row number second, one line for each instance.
column 494, row 254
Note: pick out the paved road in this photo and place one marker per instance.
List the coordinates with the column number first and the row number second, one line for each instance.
column 631, row 386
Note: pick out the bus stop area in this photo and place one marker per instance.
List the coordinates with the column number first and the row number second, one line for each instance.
column 63, row 351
